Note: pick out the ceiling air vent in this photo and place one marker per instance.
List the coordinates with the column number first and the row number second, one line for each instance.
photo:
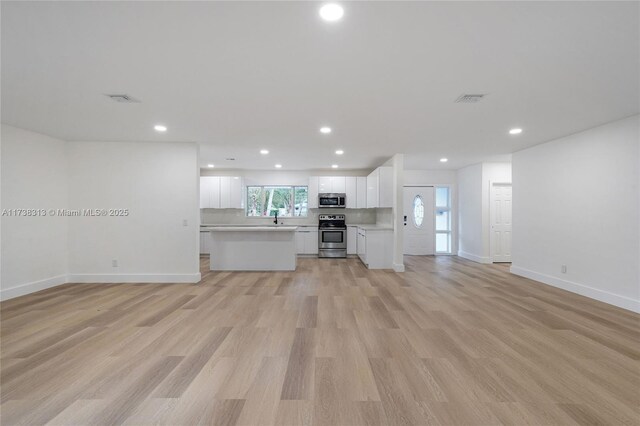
column 470, row 99
column 124, row 98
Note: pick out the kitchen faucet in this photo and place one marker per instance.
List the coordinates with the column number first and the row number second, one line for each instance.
column 276, row 221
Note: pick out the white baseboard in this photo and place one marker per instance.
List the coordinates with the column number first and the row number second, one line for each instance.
column 581, row 289
column 134, row 278
column 474, row 257
column 398, row 267
column 32, row 287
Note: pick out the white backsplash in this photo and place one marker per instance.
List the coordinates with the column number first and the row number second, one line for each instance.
column 384, row 216
column 238, row 217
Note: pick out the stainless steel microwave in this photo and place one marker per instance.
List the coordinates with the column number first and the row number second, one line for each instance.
column 332, row 200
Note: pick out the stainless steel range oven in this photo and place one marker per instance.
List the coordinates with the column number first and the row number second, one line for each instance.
column 332, row 236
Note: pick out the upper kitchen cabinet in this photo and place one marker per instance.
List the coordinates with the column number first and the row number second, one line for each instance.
column 312, row 193
column 361, row 192
column 355, row 188
column 231, row 193
column 351, row 192
column 380, row 188
column 332, row 184
column 209, row 192
column 221, row 192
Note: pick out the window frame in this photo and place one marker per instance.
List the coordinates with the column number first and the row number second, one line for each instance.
column 293, row 193
column 449, row 209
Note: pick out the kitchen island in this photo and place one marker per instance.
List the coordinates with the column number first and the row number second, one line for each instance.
column 253, row 248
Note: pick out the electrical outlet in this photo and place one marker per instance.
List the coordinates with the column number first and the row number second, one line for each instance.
column 114, row 263
column 563, row 269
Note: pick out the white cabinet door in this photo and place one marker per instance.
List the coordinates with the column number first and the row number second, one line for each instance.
column 361, row 192
column 307, row 240
column 352, row 192
column 362, row 245
column 215, row 192
column 221, row 192
column 312, row 194
column 338, row 185
column 352, row 239
column 311, row 241
column 202, row 235
column 372, row 189
column 209, row 192
column 332, row 184
column 225, row 192
column 236, row 197
column 205, row 193
column 324, row 184
column 378, row 251
column 300, row 237
column 385, row 186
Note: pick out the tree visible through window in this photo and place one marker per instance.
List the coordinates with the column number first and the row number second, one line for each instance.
column 287, row 201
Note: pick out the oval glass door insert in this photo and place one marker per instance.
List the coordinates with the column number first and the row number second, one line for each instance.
column 418, row 211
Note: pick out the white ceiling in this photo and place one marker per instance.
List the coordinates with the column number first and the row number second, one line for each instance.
column 237, row 77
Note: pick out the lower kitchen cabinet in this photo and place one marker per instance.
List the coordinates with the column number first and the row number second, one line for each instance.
column 307, row 240
column 375, row 247
column 352, row 239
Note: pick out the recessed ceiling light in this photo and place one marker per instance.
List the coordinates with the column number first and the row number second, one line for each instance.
column 278, row 166
column 211, row 166
column 331, row 12
column 264, row 151
column 444, row 160
column 325, row 130
column 160, row 128
column 339, row 152
column 334, row 166
column 515, row 131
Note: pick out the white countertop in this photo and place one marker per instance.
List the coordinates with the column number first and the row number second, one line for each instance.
column 243, row 227
column 372, row 226
column 251, row 228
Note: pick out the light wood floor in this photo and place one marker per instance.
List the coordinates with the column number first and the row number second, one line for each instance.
column 447, row 342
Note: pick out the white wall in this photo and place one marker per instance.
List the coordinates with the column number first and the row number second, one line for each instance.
column 430, row 177
column 34, row 176
column 398, row 212
column 158, row 183
column 470, row 232
column 474, row 183
column 491, row 173
column 576, row 203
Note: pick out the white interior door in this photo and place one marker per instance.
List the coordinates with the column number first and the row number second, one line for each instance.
column 419, row 224
column 501, row 224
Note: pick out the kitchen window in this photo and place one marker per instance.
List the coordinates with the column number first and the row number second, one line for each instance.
column 286, row 201
column 443, row 220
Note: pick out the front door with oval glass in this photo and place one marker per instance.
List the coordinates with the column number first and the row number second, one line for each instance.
column 418, row 220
